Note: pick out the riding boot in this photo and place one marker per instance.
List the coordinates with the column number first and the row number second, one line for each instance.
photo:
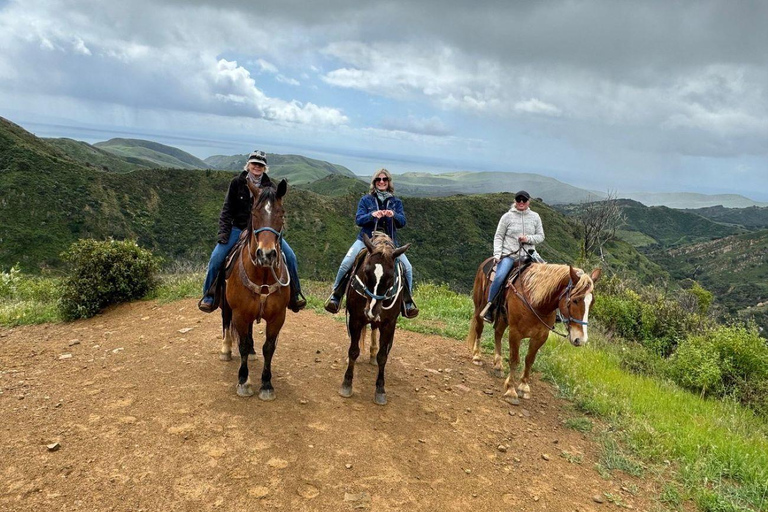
column 409, row 308
column 210, row 301
column 298, row 301
column 333, row 302
column 488, row 312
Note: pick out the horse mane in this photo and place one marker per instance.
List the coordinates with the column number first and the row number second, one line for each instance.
column 381, row 241
column 543, row 281
column 266, row 194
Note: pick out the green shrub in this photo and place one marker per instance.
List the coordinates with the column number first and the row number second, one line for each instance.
column 104, row 273
column 727, row 361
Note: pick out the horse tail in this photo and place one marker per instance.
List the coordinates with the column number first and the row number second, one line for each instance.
column 479, row 293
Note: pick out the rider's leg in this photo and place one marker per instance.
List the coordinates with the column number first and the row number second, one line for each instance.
column 502, row 270
column 409, row 308
column 218, row 255
column 342, row 277
column 298, row 302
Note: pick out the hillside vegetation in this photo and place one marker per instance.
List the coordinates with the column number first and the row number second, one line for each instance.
column 295, row 168
column 753, row 217
column 92, row 156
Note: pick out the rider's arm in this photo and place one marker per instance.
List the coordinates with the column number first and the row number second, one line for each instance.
column 498, row 238
column 538, row 235
column 399, row 213
column 226, row 216
column 364, row 210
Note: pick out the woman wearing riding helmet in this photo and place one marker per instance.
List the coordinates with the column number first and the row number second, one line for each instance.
column 378, row 210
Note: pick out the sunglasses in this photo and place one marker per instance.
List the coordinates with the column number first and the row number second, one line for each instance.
column 377, row 180
column 521, row 199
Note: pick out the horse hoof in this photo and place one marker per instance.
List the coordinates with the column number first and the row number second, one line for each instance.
column 345, row 391
column 512, row 400
column 373, row 361
column 380, row 398
column 251, row 357
column 499, row 374
column 225, row 356
column 477, row 362
column 267, row 395
column 244, row 390
column 526, row 396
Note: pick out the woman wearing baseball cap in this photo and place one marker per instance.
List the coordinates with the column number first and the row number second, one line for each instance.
column 233, row 220
column 519, row 230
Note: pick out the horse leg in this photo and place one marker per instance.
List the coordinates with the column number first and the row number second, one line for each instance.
column 498, row 361
column 510, row 395
column 227, row 332
column 241, row 325
column 252, row 352
column 374, row 345
column 267, row 392
column 355, row 331
column 535, row 343
column 386, row 338
column 474, row 336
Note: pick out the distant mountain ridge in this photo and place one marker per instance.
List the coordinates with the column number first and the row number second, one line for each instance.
column 159, row 154
column 690, row 200
column 98, row 158
column 552, row 191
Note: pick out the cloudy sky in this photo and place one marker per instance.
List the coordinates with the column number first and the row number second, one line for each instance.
column 608, row 95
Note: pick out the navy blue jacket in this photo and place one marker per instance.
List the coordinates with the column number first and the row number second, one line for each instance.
column 368, row 204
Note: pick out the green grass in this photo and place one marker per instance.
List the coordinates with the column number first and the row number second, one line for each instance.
column 26, row 300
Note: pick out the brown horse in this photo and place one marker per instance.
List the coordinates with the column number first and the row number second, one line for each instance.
column 531, row 305
column 257, row 288
column 374, row 297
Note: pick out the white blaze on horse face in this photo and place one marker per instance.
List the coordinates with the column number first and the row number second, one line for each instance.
column 379, row 273
column 268, row 208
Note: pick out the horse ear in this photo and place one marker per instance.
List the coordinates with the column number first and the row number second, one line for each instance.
column 596, row 273
column 367, row 242
column 574, row 274
column 282, row 188
column 400, row 250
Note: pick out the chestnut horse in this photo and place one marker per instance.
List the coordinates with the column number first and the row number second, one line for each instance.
column 374, row 297
column 257, row 288
column 531, row 305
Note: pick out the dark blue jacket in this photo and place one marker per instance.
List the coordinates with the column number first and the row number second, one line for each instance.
column 368, row 204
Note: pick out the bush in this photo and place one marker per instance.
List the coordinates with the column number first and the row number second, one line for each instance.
column 104, row 273
column 727, row 361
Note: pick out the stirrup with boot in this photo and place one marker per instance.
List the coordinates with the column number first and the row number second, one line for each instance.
column 333, row 302
column 298, row 301
column 409, row 309
column 488, row 312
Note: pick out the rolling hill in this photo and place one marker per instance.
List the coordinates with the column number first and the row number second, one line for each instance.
column 296, row 169
column 688, row 200
column 753, row 217
column 92, row 156
column 159, row 154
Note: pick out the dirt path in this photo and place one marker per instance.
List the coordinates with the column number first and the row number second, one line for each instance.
column 147, row 419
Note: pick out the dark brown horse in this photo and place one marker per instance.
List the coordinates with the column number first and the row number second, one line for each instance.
column 257, row 288
column 374, row 297
column 531, row 305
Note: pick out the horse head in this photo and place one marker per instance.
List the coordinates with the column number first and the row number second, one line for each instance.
column 379, row 272
column 267, row 220
column 575, row 302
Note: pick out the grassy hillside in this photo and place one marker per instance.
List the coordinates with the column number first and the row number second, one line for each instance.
column 159, row 154
column 100, row 159
column 296, row 169
column 754, row 217
column 432, row 185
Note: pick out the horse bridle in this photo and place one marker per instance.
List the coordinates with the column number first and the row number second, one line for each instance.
column 567, row 321
column 392, row 292
column 279, row 250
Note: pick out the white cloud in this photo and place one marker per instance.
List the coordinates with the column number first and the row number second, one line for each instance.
column 287, row 80
column 266, row 66
column 79, row 46
column 534, row 106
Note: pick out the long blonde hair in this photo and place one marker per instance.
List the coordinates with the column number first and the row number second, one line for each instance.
column 390, row 186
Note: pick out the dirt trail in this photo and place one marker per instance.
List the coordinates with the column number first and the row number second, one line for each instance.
column 147, row 419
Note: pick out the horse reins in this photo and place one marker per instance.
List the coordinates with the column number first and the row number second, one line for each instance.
column 567, row 293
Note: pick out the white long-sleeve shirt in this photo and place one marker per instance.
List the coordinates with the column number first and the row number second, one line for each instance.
column 514, row 224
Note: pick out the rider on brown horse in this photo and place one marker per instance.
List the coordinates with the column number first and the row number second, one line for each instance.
column 518, row 232
column 233, row 220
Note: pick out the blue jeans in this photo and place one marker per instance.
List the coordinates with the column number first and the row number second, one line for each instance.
column 502, row 269
column 221, row 250
column 349, row 260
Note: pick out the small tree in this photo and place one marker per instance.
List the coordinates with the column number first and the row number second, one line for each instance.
column 600, row 220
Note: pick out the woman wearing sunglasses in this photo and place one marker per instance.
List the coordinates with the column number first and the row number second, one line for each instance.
column 518, row 232
column 379, row 210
